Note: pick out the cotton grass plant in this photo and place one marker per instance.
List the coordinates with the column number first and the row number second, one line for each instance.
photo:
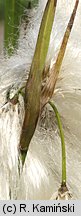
column 36, row 96
column 43, row 94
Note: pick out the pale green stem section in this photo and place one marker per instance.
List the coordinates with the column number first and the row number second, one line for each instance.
column 62, row 143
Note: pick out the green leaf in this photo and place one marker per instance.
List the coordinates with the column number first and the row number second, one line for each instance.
column 33, row 86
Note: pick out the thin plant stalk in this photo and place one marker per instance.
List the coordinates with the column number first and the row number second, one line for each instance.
column 62, row 143
column 49, row 87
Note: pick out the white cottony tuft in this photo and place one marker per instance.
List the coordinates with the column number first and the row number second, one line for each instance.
column 62, row 194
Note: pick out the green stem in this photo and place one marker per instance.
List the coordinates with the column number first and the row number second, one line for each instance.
column 62, row 143
column 33, row 85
